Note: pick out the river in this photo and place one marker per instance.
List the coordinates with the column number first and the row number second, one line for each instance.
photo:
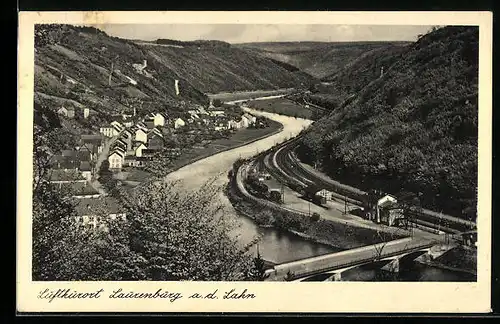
column 277, row 246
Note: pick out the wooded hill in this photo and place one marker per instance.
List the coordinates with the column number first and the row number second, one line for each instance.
column 414, row 129
column 319, row 59
column 212, row 67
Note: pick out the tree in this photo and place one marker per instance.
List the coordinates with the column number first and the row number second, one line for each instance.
column 217, row 102
column 184, row 235
column 315, row 217
column 258, row 272
column 106, row 176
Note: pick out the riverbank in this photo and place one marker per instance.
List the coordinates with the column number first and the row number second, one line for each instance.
column 460, row 258
column 334, row 234
column 247, row 95
column 239, row 138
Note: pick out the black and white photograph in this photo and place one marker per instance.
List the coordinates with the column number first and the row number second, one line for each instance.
column 238, row 152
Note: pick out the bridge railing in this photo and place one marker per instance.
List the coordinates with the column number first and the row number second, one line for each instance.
column 297, row 274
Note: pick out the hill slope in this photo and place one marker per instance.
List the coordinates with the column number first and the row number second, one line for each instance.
column 73, row 65
column 319, row 59
column 413, row 129
column 219, row 67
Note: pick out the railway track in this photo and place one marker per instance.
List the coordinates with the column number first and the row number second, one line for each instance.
column 281, row 164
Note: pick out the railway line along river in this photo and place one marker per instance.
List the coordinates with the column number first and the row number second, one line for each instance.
column 275, row 246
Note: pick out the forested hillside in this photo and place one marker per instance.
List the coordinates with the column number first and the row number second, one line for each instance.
column 319, row 59
column 214, row 67
column 414, row 129
column 76, row 63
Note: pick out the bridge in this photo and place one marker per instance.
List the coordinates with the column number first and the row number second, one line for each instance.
column 387, row 254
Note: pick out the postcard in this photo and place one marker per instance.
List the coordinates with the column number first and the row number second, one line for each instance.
column 254, row 162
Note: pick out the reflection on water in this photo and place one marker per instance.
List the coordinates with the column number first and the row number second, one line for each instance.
column 278, row 246
column 413, row 271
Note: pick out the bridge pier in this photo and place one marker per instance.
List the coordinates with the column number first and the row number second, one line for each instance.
column 392, row 266
column 336, row 276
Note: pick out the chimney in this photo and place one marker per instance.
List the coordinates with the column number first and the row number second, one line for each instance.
column 382, row 71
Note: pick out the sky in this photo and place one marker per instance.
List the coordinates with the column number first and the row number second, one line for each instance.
column 242, row 33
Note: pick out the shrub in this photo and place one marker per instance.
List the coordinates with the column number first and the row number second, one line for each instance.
column 315, row 217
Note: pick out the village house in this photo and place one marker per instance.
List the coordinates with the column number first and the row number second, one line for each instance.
column 148, row 153
column 66, row 112
column 92, row 144
column 328, row 195
column 141, row 135
column 60, row 162
column 141, row 125
column 179, row 123
column 139, row 148
column 133, row 161
column 115, row 160
column 387, row 211
column 248, row 120
column 94, row 213
column 155, row 139
column 62, row 176
column 117, row 126
column 128, row 122
column 235, row 124
column 157, row 119
column 108, row 131
column 86, row 170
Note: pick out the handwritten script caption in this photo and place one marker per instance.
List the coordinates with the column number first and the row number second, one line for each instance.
column 51, row 295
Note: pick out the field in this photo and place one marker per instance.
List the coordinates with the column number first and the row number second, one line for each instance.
column 282, row 106
column 239, row 138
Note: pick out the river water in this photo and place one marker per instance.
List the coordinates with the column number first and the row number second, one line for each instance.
column 277, row 246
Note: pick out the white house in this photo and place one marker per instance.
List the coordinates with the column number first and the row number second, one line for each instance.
column 116, row 160
column 179, row 123
column 141, row 135
column 86, row 112
column 138, row 149
column 385, row 202
column 159, row 120
column 325, row 193
column 252, row 119
column 117, row 125
column 233, row 124
column 108, row 131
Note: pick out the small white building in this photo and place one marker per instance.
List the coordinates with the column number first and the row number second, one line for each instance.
column 179, row 123
column 138, row 149
column 108, row 131
column 141, row 135
column 115, row 160
column 159, row 119
column 86, row 112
